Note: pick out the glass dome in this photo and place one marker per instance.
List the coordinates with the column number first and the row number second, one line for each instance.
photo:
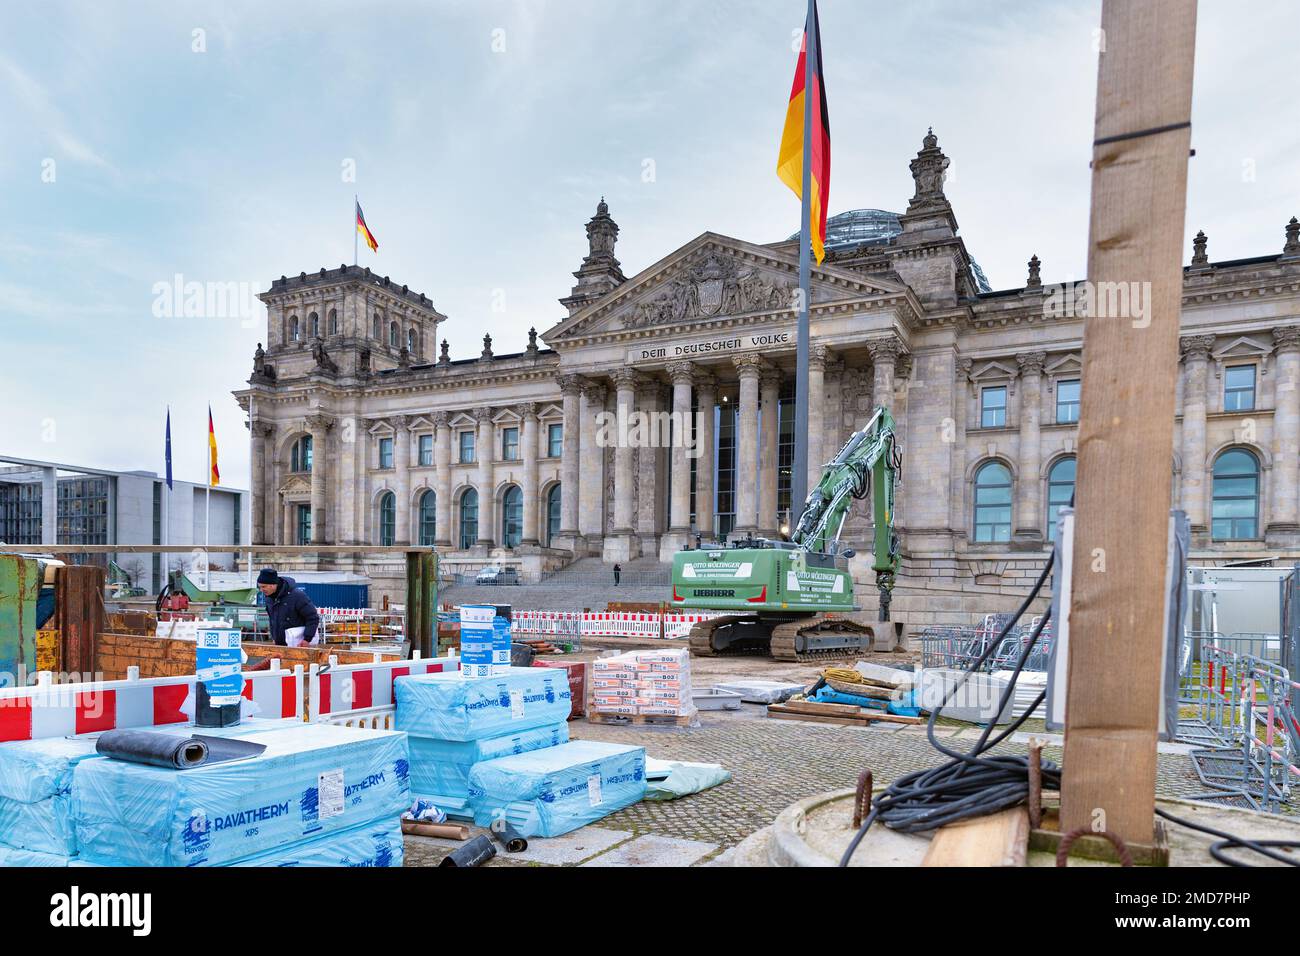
column 857, row 226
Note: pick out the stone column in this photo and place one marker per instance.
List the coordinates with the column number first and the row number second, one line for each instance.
column 263, row 490
column 770, row 390
column 592, row 494
column 1028, row 528
column 571, row 391
column 650, row 440
column 817, row 356
column 528, row 438
column 884, row 353
column 485, row 453
column 620, row 548
column 1196, row 353
column 679, row 512
column 749, row 368
column 402, row 479
column 1285, row 516
column 442, row 480
column 287, row 514
column 706, row 397
column 320, row 426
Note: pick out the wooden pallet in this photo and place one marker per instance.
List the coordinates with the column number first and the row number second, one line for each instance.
column 663, row 720
column 836, row 714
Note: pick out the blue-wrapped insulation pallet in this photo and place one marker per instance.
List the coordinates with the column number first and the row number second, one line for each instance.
column 312, row 780
column 440, row 768
column 553, row 791
column 36, row 786
column 448, row 706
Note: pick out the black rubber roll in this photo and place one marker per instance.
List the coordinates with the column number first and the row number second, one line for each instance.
column 474, row 853
column 510, row 838
column 156, row 750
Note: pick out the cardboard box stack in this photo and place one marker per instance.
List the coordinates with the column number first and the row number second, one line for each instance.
column 643, row 684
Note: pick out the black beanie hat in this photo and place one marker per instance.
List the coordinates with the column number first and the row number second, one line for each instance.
column 268, row 576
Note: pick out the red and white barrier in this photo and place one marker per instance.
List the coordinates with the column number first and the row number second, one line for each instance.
column 546, row 623
column 47, row 709
column 336, row 690
column 677, row 625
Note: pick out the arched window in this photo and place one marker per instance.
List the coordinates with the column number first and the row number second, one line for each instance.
column 375, row 326
column 300, row 456
column 428, row 519
column 468, row 518
column 410, row 341
column 993, row 503
column 387, row 519
column 1060, row 491
column 313, row 321
column 1235, row 515
column 334, row 322
column 512, row 517
column 293, row 328
column 394, row 335
column 552, row 513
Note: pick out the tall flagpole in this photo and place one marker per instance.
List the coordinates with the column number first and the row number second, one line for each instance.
column 799, row 479
column 355, row 203
column 207, row 514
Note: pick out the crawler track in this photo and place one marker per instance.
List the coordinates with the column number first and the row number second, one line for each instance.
column 780, row 640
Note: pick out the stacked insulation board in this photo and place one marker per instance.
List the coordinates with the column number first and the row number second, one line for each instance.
column 456, row 722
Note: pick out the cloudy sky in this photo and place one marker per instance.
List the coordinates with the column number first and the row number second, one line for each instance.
column 213, row 141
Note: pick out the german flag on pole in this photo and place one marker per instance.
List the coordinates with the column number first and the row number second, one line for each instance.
column 789, row 164
column 362, row 228
column 214, row 475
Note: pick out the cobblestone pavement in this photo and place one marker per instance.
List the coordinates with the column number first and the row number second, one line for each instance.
column 773, row 763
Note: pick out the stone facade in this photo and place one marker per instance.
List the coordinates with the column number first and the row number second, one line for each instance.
column 703, row 340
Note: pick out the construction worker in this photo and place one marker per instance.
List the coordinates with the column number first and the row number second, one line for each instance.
column 294, row 620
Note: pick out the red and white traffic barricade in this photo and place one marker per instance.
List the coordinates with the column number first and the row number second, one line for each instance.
column 678, row 624
column 362, row 695
column 47, row 709
column 622, row 624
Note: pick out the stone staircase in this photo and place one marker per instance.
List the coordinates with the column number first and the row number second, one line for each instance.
column 586, row 583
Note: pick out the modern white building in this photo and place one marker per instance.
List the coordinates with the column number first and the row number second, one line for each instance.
column 47, row 503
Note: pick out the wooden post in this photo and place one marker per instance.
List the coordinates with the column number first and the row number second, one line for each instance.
column 1130, row 368
column 79, row 602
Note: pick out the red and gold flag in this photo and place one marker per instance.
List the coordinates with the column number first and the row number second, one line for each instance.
column 214, row 475
column 789, row 164
column 362, row 228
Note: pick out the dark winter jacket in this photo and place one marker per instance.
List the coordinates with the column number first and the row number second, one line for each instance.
column 290, row 607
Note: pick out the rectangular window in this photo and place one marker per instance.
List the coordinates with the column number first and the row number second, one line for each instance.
column 555, row 441
column 1067, row 402
column 426, row 451
column 725, row 485
column 385, row 453
column 785, row 458
column 993, row 407
column 510, row 444
column 1239, row 388
column 466, row 448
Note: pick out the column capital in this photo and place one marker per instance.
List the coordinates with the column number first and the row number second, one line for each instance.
column 626, row 378
column 263, row 429
column 748, row 365
column 483, row 414
column 594, row 392
column 817, row 356
column 1286, row 338
column 319, row 423
column 1196, row 346
column 885, row 349
column 1031, row 363
column 400, row 423
column 682, row 373
column 570, row 384
column 440, row 419
column 770, row 376
column 527, row 410
column 705, row 382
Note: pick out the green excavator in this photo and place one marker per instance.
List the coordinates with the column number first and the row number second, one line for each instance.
column 788, row 598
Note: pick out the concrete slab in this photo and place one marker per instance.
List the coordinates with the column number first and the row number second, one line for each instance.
column 652, row 850
column 572, row 847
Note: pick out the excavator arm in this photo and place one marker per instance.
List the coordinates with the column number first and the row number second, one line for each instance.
column 868, row 464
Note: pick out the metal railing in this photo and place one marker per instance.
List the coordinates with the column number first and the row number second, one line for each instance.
column 1242, row 719
column 959, row 647
column 601, row 579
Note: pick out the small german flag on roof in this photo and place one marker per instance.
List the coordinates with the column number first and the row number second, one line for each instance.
column 362, row 228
